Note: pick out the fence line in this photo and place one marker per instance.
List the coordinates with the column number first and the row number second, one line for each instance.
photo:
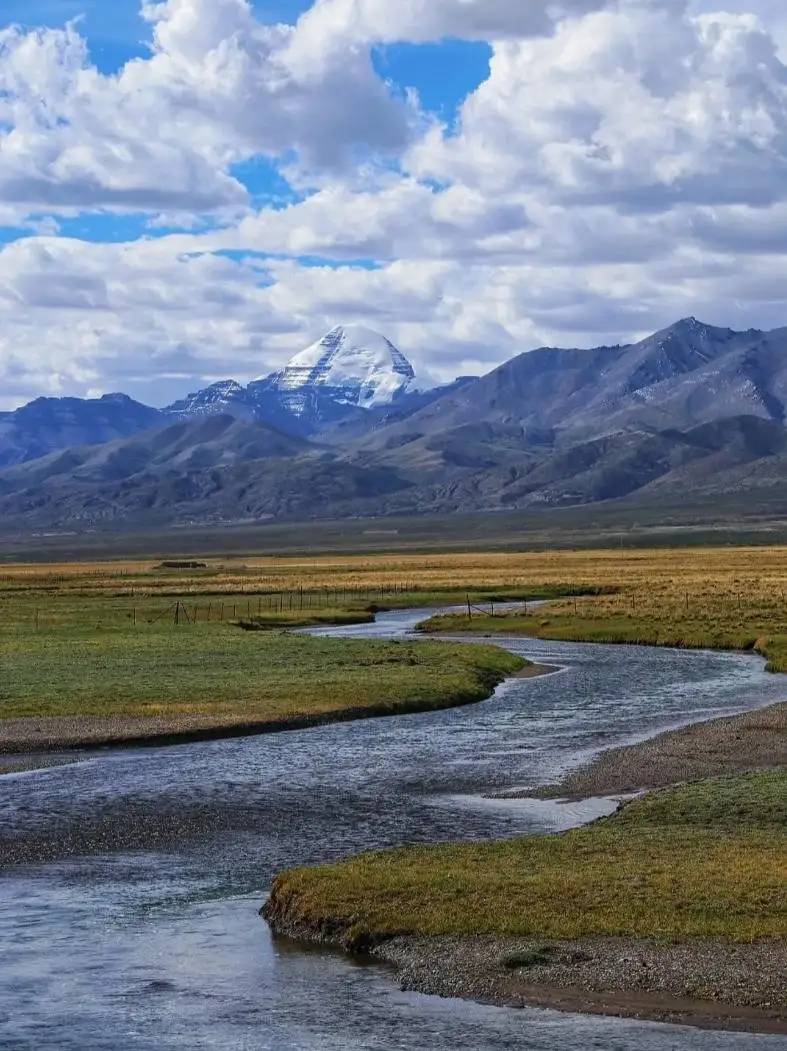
column 185, row 611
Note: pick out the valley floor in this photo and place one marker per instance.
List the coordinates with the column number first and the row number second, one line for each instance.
column 677, row 899
column 120, row 654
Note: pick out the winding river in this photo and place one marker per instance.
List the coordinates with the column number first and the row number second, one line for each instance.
column 133, row 924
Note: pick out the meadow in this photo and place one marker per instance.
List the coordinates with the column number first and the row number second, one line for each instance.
column 121, row 652
column 220, row 672
column 726, row 577
column 714, row 598
column 164, row 641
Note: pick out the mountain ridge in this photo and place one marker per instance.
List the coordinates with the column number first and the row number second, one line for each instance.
column 694, row 408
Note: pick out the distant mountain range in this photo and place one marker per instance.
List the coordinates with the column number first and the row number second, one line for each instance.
column 693, row 413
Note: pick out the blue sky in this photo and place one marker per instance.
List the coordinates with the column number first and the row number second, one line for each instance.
column 443, row 74
column 471, row 179
column 114, row 27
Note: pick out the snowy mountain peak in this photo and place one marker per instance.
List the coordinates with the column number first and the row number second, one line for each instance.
column 352, row 365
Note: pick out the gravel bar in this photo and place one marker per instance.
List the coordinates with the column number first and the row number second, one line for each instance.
column 707, row 983
column 736, row 744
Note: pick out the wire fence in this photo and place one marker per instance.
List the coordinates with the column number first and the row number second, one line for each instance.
column 295, row 604
column 149, row 610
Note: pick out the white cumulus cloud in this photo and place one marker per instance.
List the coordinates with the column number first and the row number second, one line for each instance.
column 163, row 133
column 623, row 165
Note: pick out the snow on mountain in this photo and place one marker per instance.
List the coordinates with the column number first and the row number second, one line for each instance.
column 226, row 396
column 352, row 365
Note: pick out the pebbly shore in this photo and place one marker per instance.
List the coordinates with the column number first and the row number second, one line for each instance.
column 708, row 983
column 737, row 744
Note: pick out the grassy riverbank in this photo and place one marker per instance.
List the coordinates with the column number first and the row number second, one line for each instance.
column 156, row 641
column 77, row 686
column 727, row 598
column 672, row 909
column 122, row 652
column 658, row 869
column 637, row 616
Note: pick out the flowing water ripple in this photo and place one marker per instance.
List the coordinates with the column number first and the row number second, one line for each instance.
column 134, row 925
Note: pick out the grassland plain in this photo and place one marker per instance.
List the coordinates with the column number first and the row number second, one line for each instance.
column 720, row 581
column 149, row 649
column 140, row 640
column 139, row 651
column 78, row 686
column 723, row 598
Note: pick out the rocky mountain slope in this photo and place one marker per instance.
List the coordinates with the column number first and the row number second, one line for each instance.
column 209, row 469
column 47, row 424
column 682, row 376
column 691, row 413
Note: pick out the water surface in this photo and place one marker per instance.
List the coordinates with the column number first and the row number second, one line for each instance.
column 140, row 930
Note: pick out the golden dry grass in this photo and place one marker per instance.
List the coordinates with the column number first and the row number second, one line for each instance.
column 701, row 571
column 729, row 597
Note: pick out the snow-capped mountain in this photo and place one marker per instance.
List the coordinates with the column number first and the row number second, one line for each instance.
column 351, row 365
column 693, row 412
column 352, row 371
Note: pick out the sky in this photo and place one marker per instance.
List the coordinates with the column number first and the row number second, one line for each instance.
column 193, row 190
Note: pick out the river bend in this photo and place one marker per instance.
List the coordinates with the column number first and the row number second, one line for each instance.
column 137, row 926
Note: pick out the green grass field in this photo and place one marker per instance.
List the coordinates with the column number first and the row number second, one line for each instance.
column 220, row 670
column 698, row 860
column 101, row 639
column 185, row 649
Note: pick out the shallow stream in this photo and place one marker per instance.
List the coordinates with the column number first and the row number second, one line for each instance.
column 140, row 930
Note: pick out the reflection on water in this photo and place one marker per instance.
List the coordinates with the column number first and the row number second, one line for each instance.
column 140, row 930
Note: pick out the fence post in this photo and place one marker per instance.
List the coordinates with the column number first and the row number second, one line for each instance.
column 469, row 609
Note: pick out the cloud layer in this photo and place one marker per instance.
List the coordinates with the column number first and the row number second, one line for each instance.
column 624, row 163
